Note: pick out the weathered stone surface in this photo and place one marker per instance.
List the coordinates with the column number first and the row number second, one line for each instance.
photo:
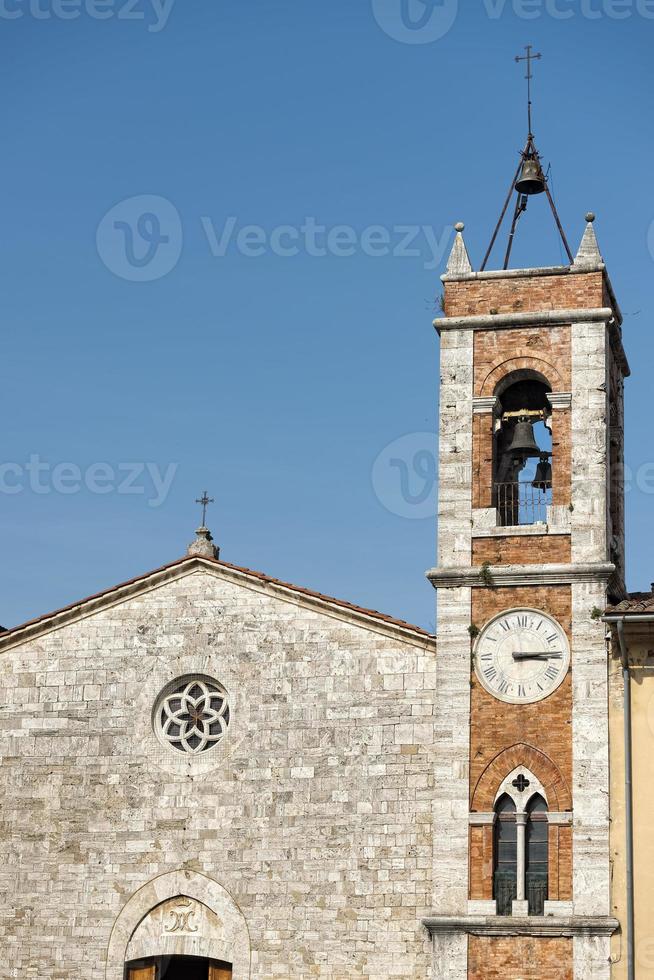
column 314, row 814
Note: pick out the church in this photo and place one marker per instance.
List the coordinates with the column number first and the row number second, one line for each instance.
column 210, row 774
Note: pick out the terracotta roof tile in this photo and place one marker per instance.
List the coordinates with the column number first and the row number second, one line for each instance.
column 636, row 602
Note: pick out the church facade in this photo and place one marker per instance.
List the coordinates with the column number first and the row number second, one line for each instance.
column 209, row 773
column 292, row 837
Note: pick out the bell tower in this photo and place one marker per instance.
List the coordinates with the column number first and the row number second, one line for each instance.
column 530, row 547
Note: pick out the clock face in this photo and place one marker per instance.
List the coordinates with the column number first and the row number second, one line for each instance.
column 522, row 656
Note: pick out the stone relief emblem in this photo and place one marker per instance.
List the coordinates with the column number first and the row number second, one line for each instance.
column 181, row 918
column 194, row 716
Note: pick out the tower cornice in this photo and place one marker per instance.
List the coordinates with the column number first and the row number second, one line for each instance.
column 497, row 321
column 546, row 270
column 514, row 575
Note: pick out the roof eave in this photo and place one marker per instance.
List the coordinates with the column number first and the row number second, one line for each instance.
column 190, row 563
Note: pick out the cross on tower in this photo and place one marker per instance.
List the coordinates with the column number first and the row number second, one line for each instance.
column 529, row 57
column 204, row 500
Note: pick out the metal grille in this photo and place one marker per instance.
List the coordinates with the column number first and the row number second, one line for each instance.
column 522, row 503
column 505, row 889
column 536, row 892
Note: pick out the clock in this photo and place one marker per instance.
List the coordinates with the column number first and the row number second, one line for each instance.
column 522, row 656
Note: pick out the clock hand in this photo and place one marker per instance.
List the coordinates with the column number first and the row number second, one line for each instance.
column 526, row 655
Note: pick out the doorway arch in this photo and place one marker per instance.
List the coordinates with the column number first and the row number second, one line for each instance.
column 181, row 913
column 178, row 968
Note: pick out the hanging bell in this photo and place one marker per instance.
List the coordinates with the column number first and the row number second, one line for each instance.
column 543, row 477
column 524, row 444
column 531, row 180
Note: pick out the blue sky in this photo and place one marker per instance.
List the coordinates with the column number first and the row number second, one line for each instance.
column 293, row 375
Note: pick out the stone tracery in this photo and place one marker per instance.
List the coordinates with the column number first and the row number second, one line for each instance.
column 194, row 716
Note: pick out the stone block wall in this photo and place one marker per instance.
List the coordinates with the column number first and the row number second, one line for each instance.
column 314, row 814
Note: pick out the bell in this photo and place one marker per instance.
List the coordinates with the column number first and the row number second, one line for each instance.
column 543, row 477
column 531, row 180
column 524, row 444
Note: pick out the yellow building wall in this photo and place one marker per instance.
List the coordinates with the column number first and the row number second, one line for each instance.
column 642, row 698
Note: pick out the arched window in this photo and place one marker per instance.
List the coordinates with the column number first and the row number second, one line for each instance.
column 522, row 469
column 536, row 861
column 505, row 874
column 520, row 855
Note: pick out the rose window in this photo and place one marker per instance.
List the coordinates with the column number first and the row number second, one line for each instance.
column 194, row 716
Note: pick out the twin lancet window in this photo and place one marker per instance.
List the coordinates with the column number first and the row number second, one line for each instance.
column 522, row 453
column 521, row 855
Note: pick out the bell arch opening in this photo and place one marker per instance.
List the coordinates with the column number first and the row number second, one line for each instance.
column 522, row 449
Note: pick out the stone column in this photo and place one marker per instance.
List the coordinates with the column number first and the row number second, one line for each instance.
column 521, row 826
column 520, row 905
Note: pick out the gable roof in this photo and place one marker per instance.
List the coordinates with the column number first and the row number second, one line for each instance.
column 339, row 608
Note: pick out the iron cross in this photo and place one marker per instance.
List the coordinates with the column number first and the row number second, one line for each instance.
column 529, row 57
column 204, row 500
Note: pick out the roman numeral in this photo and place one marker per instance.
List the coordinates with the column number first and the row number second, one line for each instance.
column 521, row 691
column 553, row 638
column 490, row 673
column 506, row 626
column 523, row 621
column 503, row 687
column 551, row 672
column 487, row 656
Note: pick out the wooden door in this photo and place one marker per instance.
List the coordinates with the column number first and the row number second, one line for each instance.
column 220, row 973
column 141, row 972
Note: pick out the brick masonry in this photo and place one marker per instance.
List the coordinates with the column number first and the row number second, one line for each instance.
column 547, row 724
column 499, row 353
column 563, row 738
column 533, row 293
column 529, row 959
column 518, row 551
